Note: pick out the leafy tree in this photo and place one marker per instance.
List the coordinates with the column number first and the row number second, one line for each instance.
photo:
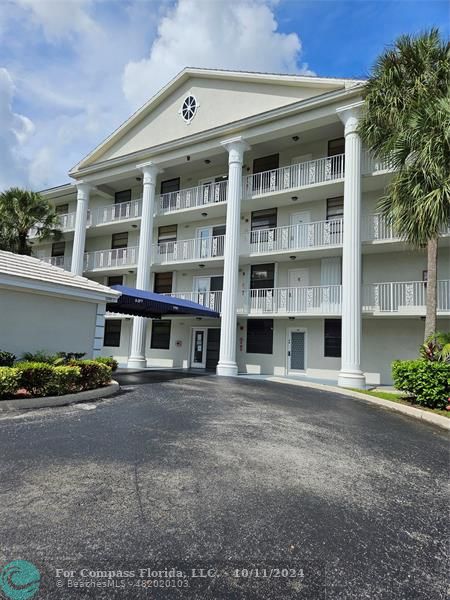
column 21, row 211
column 406, row 120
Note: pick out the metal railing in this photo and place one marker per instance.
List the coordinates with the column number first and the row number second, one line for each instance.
column 324, row 299
column 194, row 197
column 312, row 172
column 115, row 212
column 63, row 262
column 377, row 228
column 407, row 297
column 110, row 259
column 370, row 165
column 212, row 300
column 193, row 249
column 296, row 237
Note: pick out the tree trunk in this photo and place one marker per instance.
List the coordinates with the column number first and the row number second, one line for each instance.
column 431, row 318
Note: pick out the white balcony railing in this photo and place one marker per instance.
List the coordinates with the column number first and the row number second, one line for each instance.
column 58, row 261
column 325, row 299
column 194, row 249
column 194, row 197
column 371, row 165
column 296, row 237
column 212, row 300
column 404, row 297
column 110, row 259
column 377, row 228
column 292, row 177
column 115, row 212
column 66, row 223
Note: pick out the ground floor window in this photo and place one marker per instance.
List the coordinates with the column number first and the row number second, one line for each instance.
column 260, row 336
column 160, row 335
column 332, row 338
column 113, row 328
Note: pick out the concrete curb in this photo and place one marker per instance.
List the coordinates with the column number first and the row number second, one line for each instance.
column 49, row 401
column 411, row 411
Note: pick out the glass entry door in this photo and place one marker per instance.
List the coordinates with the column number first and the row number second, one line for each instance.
column 198, row 352
column 296, row 351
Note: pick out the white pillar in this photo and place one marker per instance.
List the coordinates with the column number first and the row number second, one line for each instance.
column 150, row 171
column 350, row 374
column 227, row 359
column 79, row 239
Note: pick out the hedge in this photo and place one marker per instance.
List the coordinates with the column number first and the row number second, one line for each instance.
column 7, row 358
column 426, row 381
column 35, row 377
column 109, row 361
column 9, row 381
column 93, row 374
column 65, row 380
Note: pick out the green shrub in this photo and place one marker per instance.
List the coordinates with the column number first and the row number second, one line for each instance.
column 6, row 358
column 66, row 357
column 426, row 381
column 35, row 377
column 109, row 361
column 65, row 380
column 93, row 374
column 40, row 356
column 9, row 381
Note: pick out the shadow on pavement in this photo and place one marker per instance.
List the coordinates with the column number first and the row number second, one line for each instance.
column 153, row 376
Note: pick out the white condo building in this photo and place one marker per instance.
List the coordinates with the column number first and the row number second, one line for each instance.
column 251, row 194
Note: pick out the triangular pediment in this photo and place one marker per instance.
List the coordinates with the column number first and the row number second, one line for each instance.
column 220, row 97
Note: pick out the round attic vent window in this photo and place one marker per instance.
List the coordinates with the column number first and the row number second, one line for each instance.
column 189, row 108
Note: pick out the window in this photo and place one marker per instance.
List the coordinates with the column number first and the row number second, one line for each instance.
column 336, row 146
column 332, row 338
column 160, row 335
column 262, row 276
column 58, row 248
column 119, row 240
column 189, row 108
column 112, row 332
column 264, row 219
column 167, row 236
column 335, row 208
column 265, row 173
column 62, row 209
column 260, row 336
column 163, row 283
column 115, row 280
column 170, row 185
column 266, row 163
column 123, row 196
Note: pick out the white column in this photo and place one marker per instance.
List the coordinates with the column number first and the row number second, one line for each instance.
column 79, row 239
column 227, row 359
column 350, row 374
column 150, row 171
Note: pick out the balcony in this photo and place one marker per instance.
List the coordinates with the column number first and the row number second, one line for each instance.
column 310, row 300
column 66, row 223
column 195, row 197
column 319, row 234
column 404, row 297
column 118, row 258
column 294, row 177
column 212, row 300
column 186, row 250
column 113, row 213
column 63, row 262
column 377, row 229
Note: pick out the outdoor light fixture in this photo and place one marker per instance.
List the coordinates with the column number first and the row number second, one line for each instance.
column 134, row 226
column 292, row 257
column 294, row 198
column 291, row 318
column 204, row 214
column 295, row 138
column 188, row 157
column 138, row 178
column 207, row 161
column 201, row 266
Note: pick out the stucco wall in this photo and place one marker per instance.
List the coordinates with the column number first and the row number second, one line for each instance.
column 31, row 321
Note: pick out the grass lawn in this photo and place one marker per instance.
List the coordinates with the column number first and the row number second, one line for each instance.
column 401, row 400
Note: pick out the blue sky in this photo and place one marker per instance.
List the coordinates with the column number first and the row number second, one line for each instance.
column 72, row 70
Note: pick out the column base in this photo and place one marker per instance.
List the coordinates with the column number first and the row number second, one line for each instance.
column 227, row 369
column 136, row 363
column 352, row 379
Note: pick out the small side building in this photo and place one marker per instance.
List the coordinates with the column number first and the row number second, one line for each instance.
column 43, row 307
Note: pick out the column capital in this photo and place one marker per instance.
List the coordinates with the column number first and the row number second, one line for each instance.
column 150, row 171
column 235, row 147
column 83, row 189
column 350, row 115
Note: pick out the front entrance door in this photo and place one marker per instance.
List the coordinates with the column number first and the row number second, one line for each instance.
column 296, row 350
column 198, row 352
column 299, row 230
column 298, row 280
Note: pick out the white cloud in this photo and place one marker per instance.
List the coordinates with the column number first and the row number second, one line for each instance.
column 15, row 130
column 232, row 34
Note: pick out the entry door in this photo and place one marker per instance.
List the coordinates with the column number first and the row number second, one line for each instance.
column 204, row 242
column 299, row 230
column 296, row 351
column 298, row 280
column 198, row 352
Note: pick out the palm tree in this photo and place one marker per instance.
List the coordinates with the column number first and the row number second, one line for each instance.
column 21, row 211
column 406, row 120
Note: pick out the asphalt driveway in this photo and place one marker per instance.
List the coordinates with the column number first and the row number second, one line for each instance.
column 248, row 490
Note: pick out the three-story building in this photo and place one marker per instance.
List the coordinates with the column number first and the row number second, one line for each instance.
column 250, row 194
